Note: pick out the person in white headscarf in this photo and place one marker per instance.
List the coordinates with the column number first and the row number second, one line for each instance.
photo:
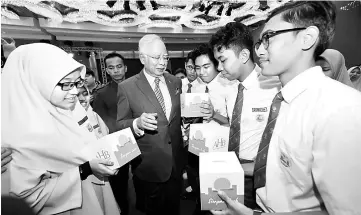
column 333, row 65
column 49, row 170
column 355, row 76
column 92, row 122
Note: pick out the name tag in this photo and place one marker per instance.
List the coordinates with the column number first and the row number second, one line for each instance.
column 264, row 109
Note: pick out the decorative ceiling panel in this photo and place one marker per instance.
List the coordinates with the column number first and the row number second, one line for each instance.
column 176, row 14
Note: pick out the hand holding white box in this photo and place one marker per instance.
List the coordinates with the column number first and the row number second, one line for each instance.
column 220, row 171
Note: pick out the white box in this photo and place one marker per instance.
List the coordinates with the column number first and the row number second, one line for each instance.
column 220, row 171
column 210, row 137
column 191, row 104
column 119, row 147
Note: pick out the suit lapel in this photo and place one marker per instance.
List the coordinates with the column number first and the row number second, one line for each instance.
column 172, row 91
column 147, row 90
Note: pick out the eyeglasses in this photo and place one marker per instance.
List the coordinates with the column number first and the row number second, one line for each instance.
column 165, row 57
column 66, row 86
column 189, row 67
column 265, row 38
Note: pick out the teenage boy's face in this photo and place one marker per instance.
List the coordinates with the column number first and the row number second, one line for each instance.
column 229, row 63
column 283, row 49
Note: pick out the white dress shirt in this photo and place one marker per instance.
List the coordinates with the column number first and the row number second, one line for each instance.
column 194, row 83
column 314, row 156
column 166, row 96
column 258, row 94
column 218, row 89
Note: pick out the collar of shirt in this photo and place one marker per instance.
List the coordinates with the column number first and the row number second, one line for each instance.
column 151, row 79
column 185, row 81
column 302, row 82
column 213, row 83
column 252, row 79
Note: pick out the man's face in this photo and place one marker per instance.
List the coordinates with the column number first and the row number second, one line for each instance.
column 283, row 49
column 89, row 80
column 155, row 58
column 116, row 68
column 191, row 72
column 229, row 63
column 205, row 69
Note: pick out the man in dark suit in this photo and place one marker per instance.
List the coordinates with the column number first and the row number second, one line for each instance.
column 149, row 103
column 105, row 105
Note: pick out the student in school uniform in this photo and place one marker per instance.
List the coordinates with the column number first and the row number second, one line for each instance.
column 218, row 89
column 249, row 102
column 191, row 79
column 308, row 161
column 213, row 83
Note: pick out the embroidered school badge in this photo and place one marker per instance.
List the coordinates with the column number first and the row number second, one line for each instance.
column 285, row 160
column 90, row 128
column 259, row 117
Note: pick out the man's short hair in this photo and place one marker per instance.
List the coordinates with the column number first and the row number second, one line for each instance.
column 321, row 14
column 190, row 56
column 180, row 70
column 89, row 72
column 147, row 39
column 112, row 55
column 235, row 36
column 205, row 49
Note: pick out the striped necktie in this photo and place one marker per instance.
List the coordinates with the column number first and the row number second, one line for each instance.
column 159, row 95
column 261, row 160
column 207, row 90
column 235, row 128
column 189, row 88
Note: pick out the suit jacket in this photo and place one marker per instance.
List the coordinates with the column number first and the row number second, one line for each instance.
column 162, row 150
column 105, row 104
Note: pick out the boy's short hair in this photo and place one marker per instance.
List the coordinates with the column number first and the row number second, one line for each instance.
column 205, row 49
column 190, row 56
column 235, row 36
column 89, row 72
column 180, row 70
column 321, row 14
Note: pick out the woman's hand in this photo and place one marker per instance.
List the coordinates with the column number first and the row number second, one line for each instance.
column 100, row 168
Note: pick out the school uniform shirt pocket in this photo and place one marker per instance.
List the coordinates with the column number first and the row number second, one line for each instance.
column 295, row 164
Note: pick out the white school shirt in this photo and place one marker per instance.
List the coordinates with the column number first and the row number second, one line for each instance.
column 218, row 89
column 258, row 94
column 314, row 156
column 194, row 83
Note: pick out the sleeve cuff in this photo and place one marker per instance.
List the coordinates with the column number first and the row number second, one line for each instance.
column 137, row 130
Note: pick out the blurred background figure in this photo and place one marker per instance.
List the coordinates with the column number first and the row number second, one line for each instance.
column 355, row 76
column 180, row 73
column 333, row 65
column 91, row 83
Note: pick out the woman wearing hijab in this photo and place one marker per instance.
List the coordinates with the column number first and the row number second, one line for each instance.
column 333, row 65
column 48, row 170
column 355, row 76
column 92, row 122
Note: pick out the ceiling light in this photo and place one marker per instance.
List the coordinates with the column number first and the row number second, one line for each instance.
column 208, row 8
column 126, row 5
column 229, row 11
column 154, row 5
column 111, row 3
column 219, row 12
column 141, row 5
